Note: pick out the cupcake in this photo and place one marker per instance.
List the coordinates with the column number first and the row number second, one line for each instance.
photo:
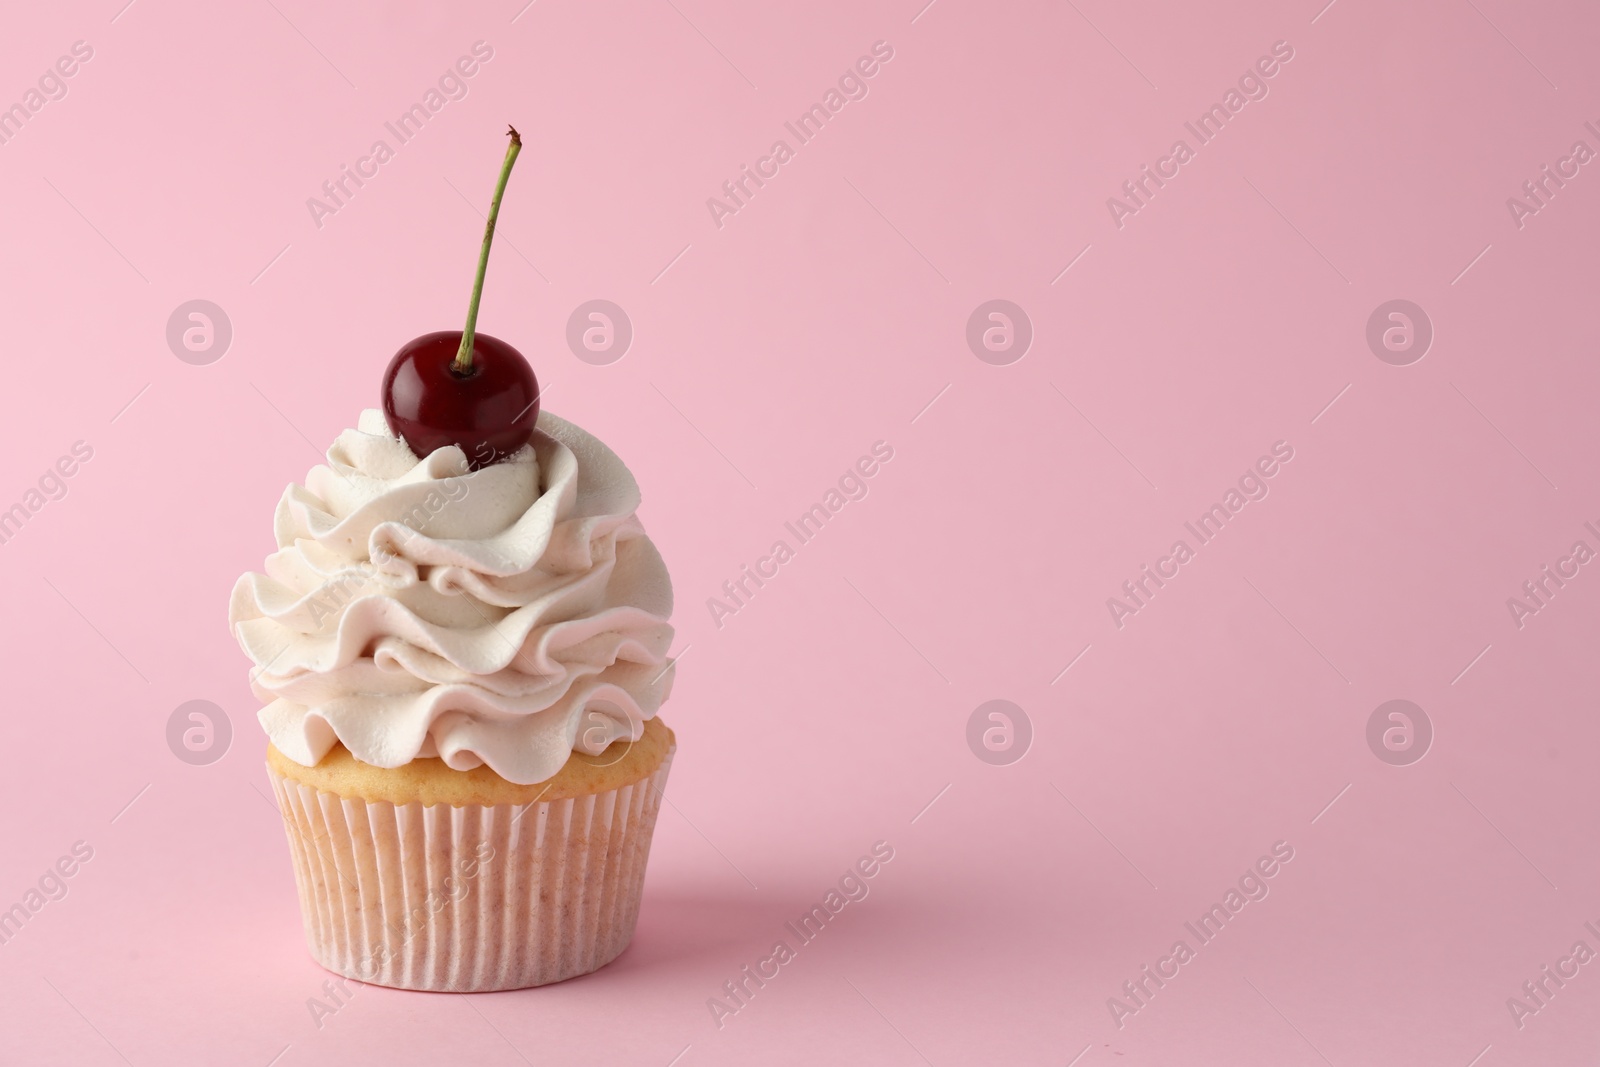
column 461, row 645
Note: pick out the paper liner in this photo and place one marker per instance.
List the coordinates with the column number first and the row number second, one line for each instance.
column 474, row 898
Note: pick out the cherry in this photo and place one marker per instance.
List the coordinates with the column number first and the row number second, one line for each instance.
column 489, row 410
column 462, row 387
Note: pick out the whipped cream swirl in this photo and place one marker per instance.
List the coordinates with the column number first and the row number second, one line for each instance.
column 506, row 616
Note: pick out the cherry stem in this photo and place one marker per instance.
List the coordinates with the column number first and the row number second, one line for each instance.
column 463, row 361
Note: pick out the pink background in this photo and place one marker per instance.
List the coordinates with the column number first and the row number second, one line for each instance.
column 824, row 316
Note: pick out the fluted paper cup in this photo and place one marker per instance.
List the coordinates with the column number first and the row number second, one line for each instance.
column 471, row 898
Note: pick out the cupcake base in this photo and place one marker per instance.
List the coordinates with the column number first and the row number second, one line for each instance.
column 476, row 897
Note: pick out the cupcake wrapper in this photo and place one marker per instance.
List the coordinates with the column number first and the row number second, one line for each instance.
column 474, row 898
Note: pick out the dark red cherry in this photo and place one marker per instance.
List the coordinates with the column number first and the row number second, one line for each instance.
column 464, row 388
column 488, row 410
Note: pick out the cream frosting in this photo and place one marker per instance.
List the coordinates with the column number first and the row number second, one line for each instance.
column 506, row 616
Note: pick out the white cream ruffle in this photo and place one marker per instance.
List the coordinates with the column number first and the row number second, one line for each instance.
column 507, row 616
